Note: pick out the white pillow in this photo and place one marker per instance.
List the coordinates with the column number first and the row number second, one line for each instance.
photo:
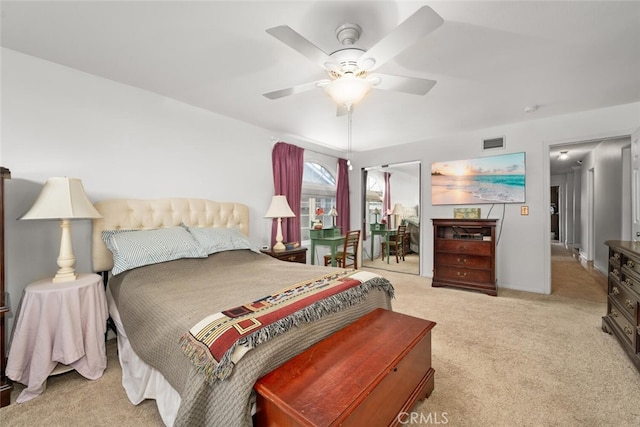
column 136, row 248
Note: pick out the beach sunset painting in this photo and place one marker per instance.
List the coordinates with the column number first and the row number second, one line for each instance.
column 493, row 179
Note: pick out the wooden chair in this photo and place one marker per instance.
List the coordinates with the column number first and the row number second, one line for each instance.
column 397, row 243
column 348, row 256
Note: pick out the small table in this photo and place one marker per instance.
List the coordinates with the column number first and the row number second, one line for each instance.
column 333, row 242
column 386, row 233
column 290, row 255
column 58, row 323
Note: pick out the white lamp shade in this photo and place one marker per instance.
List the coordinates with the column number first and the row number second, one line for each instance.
column 397, row 209
column 348, row 90
column 279, row 208
column 62, row 198
column 333, row 212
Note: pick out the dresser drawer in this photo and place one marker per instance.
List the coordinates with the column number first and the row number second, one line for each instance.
column 463, row 274
column 463, row 260
column 473, row 247
column 630, row 263
column 621, row 321
column 630, row 279
column 625, row 299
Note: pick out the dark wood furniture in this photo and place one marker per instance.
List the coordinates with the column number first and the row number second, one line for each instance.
column 464, row 254
column 623, row 302
column 5, row 384
column 367, row 374
column 348, row 256
column 292, row 255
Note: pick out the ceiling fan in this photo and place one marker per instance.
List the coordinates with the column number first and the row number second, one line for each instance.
column 351, row 69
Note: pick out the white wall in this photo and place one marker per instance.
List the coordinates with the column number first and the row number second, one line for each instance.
column 122, row 142
column 523, row 249
column 606, row 162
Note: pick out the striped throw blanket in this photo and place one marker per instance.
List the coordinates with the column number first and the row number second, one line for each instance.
column 216, row 343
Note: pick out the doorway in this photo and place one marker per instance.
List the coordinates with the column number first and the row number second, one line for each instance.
column 593, row 186
column 555, row 215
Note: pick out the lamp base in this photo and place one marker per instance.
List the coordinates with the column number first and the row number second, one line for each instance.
column 64, row 277
column 279, row 247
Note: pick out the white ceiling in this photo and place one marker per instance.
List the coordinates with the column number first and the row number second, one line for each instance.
column 491, row 59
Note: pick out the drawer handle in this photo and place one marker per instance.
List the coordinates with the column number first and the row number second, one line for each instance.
column 627, row 330
column 616, row 256
column 629, row 304
column 628, row 282
column 462, row 274
column 614, row 312
column 292, row 258
column 615, row 291
column 615, row 272
column 630, row 263
column 462, row 260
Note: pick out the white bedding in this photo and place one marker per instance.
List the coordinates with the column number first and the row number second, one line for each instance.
column 140, row 380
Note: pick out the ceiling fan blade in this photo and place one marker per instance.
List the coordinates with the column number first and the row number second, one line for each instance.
column 412, row 85
column 305, row 87
column 415, row 27
column 294, row 40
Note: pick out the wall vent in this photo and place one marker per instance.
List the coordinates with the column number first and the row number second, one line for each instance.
column 493, row 143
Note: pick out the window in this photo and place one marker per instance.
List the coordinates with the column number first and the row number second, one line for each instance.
column 375, row 189
column 318, row 191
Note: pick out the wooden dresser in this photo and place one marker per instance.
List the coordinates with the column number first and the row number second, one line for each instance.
column 371, row 373
column 464, row 254
column 5, row 384
column 623, row 301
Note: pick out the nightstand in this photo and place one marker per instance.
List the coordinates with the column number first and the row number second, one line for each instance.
column 58, row 323
column 292, row 255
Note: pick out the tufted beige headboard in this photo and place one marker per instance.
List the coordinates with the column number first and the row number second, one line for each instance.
column 131, row 214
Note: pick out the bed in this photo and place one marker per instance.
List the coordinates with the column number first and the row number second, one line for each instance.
column 161, row 308
column 412, row 220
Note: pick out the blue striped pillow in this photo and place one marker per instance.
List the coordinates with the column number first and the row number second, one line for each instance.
column 221, row 239
column 136, row 248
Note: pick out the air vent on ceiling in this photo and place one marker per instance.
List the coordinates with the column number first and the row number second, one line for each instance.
column 493, row 143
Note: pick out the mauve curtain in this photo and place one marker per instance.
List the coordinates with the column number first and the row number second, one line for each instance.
column 386, row 199
column 342, row 197
column 288, row 165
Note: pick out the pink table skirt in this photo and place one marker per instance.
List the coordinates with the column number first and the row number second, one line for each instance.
column 58, row 323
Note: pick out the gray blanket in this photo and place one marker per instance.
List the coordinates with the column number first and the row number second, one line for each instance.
column 158, row 303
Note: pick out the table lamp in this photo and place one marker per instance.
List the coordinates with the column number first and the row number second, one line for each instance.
column 334, row 213
column 279, row 209
column 64, row 199
column 398, row 211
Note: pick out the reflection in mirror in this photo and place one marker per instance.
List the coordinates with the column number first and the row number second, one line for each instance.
column 391, row 206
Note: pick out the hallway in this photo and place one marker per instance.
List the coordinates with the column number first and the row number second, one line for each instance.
column 573, row 279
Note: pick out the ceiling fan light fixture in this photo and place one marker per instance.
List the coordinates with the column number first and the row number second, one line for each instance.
column 348, row 90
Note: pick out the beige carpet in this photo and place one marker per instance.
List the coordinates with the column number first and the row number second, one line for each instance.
column 518, row 359
column 410, row 265
column 572, row 278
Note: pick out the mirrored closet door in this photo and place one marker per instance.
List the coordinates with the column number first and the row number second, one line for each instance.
column 391, row 203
